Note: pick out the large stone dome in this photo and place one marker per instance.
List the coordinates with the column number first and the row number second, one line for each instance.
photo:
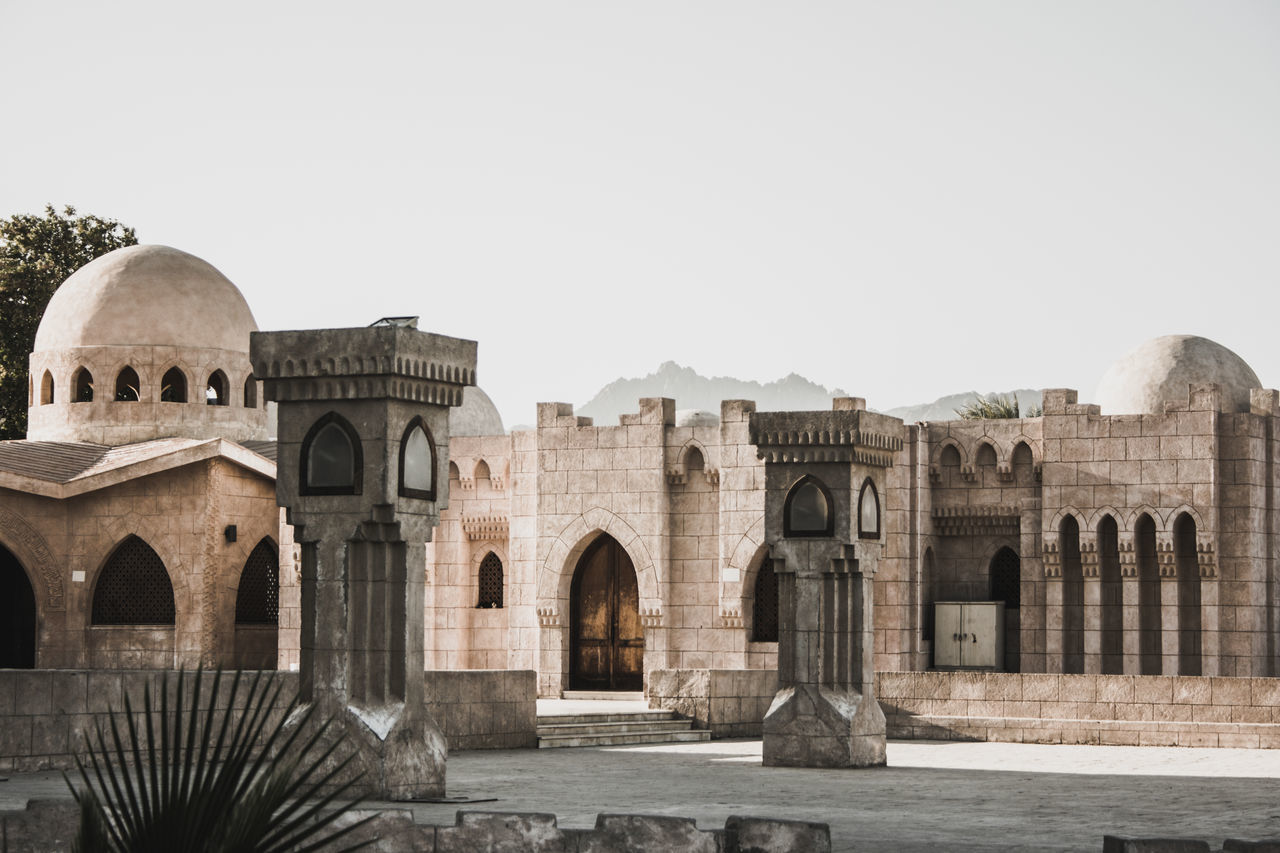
column 476, row 416
column 147, row 296
column 1161, row 370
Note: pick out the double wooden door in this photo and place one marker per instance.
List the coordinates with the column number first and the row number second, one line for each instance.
column 606, row 637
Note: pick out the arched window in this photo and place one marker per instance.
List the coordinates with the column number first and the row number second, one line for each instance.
column 1188, row 565
column 694, row 460
column 173, row 387
column 1023, row 464
column 1072, row 596
column 251, row 393
column 490, row 582
column 986, row 455
column 332, row 458
column 133, row 588
column 258, row 596
column 82, row 386
column 1111, row 591
column 482, row 472
column 1006, row 585
column 807, row 510
column 418, row 462
column 46, row 389
column 868, row 511
column 764, row 609
column 127, row 386
column 950, row 457
column 216, row 392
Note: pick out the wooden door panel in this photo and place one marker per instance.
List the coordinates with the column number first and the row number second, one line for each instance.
column 606, row 634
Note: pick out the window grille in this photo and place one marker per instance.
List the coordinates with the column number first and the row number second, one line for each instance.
column 258, row 598
column 490, row 581
column 764, row 612
column 134, row 588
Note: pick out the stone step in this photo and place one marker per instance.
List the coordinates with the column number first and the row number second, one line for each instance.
column 612, row 728
column 616, row 717
column 631, row 738
column 603, row 696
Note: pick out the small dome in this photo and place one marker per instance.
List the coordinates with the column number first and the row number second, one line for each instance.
column 476, row 416
column 146, row 296
column 1161, row 369
column 696, row 418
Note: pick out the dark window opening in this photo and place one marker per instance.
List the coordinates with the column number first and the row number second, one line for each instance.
column 807, row 510
column 1188, row 566
column 133, row 588
column 127, row 386
column 258, row 596
column 251, row 393
column 868, row 511
column 1072, row 596
column 1111, row 592
column 764, row 609
column 216, row 392
column 17, row 615
column 82, row 385
column 332, row 459
column 46, row 389
column 173, row 387
column 490, row 582
column 1150, row 655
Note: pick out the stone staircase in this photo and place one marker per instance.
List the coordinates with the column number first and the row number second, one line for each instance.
column 602, row 725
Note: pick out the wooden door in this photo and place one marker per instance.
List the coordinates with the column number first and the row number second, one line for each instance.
column 17, row 615
column 606, row 638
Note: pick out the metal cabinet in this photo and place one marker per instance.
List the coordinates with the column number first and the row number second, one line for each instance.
column 968, row 635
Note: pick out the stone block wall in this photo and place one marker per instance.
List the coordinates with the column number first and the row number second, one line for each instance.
column 731, row 703
column 1123, row 710
column 44, row 714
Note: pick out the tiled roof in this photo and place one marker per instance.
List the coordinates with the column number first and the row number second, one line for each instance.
column 265, row 449
column 56, row 461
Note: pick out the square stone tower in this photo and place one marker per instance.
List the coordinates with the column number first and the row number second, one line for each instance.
column 362, row 468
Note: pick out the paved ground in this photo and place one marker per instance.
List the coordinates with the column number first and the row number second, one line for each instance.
column 933, row 796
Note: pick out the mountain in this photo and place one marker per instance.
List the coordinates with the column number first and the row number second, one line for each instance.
column 694, row 391
column 944, row 408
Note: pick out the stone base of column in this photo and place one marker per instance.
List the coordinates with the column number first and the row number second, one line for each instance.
column 810, row 726
column 398, row 754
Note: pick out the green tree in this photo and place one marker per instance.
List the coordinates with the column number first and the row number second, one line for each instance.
column 37, row 253
column 995, row 406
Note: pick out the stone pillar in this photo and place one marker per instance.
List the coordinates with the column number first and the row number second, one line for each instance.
column 362, row 469
column 1209, row 657
column 824, row 516
column 1053, row 620
column 1131, row 618
column 1092, row 619
column 1169, row 615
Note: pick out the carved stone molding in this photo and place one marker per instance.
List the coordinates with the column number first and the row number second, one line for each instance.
column 33, row 546
column 971, row 520
column 485, row 527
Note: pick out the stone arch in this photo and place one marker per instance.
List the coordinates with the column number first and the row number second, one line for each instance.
column 483, row 471
column 480, row 551
column 1157, row 518
column 683, row 454
column 81, row 390
column 740, row 558
column 217, row 388
column 1095, row 518
column 109, row 572
column 556, row 574
column 997, row 456
column 935, row 459
column 1191, row 511
column 110, row 537
column 750, row 583
column 1056, row 523
column 47, row 388
column 31, row 549
column 1033, row 447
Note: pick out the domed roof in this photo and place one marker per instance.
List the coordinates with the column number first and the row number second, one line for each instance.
column 696, row 418
column 476, row 416
column 147, row 296
column 1161, row 369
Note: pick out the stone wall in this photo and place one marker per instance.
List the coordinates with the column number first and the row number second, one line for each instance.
column 729, row 702
column 1122, row 710
column 44, row 714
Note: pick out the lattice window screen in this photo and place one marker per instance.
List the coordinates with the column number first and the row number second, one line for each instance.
column 764, row 612
column 134, row 588
column 258, row 598
column 490, row 581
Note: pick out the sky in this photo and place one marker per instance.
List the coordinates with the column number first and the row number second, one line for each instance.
column 902, row 199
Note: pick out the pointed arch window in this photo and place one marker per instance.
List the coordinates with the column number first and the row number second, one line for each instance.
column 868, row 511
column 251, row 393
column 418, row 462
column 173, row 387
column 133, row 588
column 46, row 389
column 490, row 582
column 258, row 595
column 807, row 510
column 217, row 392
column 127, row 386
column 332, row 460
column 82, row 386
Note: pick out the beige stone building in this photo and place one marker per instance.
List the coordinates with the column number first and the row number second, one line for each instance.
column 1136, row 534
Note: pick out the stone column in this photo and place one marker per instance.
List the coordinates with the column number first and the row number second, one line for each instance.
column 824, row 517
column 362, row 468
column 1092, row 619
column 1053, row 619
column 1209, row 657
column 1169, row 615
column 1131, row 618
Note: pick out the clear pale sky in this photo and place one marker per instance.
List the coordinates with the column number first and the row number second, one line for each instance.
column 903, row 199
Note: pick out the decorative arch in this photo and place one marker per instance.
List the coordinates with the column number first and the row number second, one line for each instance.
column 870, row 518
column 133, row 587
column 556, row 574
column 128, row 386
column 31, row 549
column 323, row 440
column 490, row 580
column 687, row 451
column 173, row 385
column 1096, row 517
column 47, row 388
column 763, row 601
column 258, row 589
column 1189, row 510
column 1151, row 512
column 984, row 444
column 1056, row 523
column 796, row 509
column 250, row 398
column 217, row 390
column 935, row 459
column 744, row 552
column 1033, row 447
column 482, row 470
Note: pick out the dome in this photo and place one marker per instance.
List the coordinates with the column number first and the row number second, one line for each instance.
column 1161, row 369
column 146, row 296
column 476, row 416
column 696, row 418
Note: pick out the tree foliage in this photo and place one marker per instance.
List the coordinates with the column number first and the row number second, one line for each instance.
column 38, row 253
column 995, row 406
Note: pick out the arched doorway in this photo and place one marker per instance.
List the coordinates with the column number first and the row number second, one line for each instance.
column 17, row 615
column 1006, row 585
column 606, row 640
